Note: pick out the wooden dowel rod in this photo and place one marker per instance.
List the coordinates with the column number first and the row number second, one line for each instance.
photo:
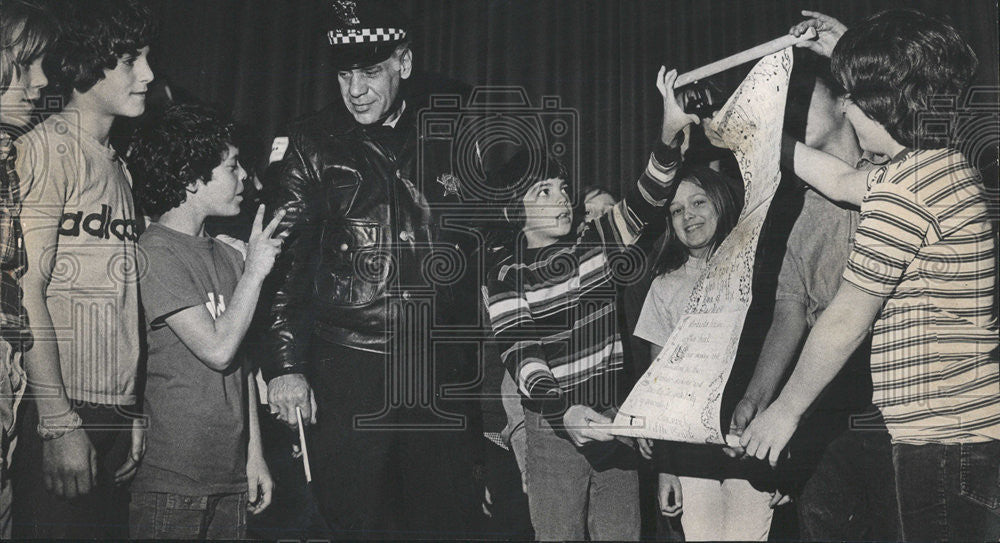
column 742, row 57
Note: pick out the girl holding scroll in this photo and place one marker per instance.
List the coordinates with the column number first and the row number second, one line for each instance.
column 713, row 492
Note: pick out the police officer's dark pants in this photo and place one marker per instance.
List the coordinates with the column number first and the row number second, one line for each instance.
column 374, row 478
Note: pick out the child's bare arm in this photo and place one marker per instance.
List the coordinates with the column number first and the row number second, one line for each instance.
column 42, row 360
column 259, row 482
column 215, row 341
column 69, row 464
column 830, row 176
column 776, row 356
column 253, row 422
column 781, row 345
column 839, row 331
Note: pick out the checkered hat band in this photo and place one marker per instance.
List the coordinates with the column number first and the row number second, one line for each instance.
column 365, row 35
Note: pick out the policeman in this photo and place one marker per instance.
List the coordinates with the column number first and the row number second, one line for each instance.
column 360, row 293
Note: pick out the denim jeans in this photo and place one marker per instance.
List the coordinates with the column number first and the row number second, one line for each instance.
column 948, row 492
column 160, row 515
column 572, row 493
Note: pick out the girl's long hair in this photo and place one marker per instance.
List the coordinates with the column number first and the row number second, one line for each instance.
column 727, row 197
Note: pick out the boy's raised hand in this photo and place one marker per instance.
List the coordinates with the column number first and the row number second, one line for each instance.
column 674, row 118
column 264, row 246
column 828, row 32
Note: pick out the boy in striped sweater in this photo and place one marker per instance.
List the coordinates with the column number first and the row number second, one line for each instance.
column 921, row 271
column 552, row 306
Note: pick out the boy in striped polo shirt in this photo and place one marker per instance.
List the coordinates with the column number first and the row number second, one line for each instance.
column 552, row 306
column 921, row 270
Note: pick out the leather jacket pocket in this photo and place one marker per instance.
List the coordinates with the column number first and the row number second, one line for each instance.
column 356, row 262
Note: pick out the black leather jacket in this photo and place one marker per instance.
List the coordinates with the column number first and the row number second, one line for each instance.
column 365, row 240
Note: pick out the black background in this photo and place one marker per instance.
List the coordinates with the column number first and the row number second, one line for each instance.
column 264, row 60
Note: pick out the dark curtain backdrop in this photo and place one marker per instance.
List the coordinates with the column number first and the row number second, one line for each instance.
column 263, row 60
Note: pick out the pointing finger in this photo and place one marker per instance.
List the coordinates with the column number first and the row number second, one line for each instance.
column 258, row 220
column 271, row 226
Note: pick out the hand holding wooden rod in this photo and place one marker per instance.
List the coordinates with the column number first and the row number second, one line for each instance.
column 743, row 57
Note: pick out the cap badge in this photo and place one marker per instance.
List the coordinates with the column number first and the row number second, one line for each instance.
column 450, row 184
column 345, row 10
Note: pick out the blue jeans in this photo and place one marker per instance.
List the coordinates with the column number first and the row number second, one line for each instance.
column 160, row 515
column 572, row 493
column 948, row 492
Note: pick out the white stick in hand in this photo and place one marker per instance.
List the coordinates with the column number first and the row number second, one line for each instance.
column 743, row 57
column 302, row 445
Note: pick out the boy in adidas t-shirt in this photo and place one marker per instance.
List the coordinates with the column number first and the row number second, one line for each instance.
column 80, row 285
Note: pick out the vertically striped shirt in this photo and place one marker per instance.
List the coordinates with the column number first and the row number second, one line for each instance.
column 925, row 244
column 553, row 309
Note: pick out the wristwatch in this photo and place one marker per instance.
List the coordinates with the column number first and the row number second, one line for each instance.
column 50, row 428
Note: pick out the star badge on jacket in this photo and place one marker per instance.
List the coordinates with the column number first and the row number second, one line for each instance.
column 450, row 184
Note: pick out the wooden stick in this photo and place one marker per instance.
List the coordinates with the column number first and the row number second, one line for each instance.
column 302, row 445
column 743, row 57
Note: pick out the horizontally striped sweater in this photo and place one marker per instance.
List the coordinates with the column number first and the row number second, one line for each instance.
column 553, row 309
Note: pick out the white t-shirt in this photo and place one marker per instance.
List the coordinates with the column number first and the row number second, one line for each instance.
column 665, row 303
column 73, row 183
